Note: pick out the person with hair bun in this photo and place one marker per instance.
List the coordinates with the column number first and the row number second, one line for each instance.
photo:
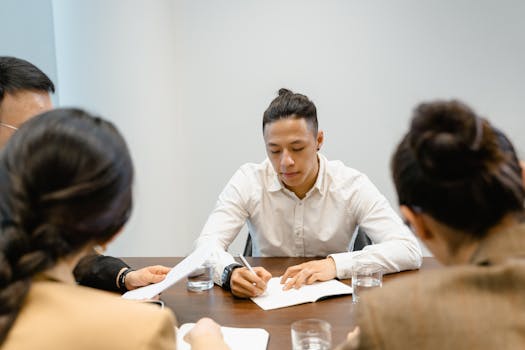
column 298, row 203
column 459, row 184
column 69, row 188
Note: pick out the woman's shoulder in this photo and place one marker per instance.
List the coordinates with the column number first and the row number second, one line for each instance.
column 91, row 317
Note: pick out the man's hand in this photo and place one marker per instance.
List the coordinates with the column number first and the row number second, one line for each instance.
column 308, row 272
column 245, row 284
column 145, row 276
column 206, row 334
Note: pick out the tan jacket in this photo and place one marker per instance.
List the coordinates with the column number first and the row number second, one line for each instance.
column 477, row 306
column 60, row 316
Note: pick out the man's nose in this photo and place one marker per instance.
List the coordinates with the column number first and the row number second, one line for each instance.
column 286, row 159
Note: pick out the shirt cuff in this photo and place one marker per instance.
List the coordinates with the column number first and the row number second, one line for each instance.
column 343, row 265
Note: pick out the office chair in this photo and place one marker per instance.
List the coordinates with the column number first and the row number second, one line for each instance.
column 361, row 241
column 248, row 246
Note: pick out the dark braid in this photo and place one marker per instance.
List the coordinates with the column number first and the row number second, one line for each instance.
column 69, row 185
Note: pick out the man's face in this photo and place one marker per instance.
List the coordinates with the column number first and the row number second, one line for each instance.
column 18, row 107
column 292, row 149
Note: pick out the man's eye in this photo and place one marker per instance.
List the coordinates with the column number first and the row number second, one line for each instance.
column 297, row 149
column 275, row 152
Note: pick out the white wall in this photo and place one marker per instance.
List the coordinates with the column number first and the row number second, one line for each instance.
column 117, row 58
column 365, row 64
column 188, row 80
column 26, row 31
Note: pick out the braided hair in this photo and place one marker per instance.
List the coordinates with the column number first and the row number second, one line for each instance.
column 459, row 169
column 69, row 178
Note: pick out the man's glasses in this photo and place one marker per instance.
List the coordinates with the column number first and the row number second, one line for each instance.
column 9, row 126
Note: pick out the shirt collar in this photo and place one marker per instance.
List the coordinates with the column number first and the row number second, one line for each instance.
column 274, row 184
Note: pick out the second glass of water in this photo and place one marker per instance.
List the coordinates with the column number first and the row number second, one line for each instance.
column 311, row 334
column 366, row 277
column 200, row 279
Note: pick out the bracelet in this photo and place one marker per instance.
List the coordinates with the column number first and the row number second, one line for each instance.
column 121, row 283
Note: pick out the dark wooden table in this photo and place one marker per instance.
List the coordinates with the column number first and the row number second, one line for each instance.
column 234, row 312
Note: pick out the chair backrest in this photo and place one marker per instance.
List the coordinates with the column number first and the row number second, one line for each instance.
column 361, row 240
column 248, row 246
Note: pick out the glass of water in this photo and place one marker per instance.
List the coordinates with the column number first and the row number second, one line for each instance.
column 311, row 334
column 201, row 278
column 365, row 276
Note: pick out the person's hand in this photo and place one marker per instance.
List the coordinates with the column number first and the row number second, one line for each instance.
column 145, row 276
column 352, row 338
column 244, row 284
column 206, row 334
column 308, row 272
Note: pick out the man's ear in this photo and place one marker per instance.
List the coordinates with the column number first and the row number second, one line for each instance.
column 417, row 222
column 320, row 139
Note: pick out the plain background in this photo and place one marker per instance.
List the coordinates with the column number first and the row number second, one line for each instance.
column 187, row 82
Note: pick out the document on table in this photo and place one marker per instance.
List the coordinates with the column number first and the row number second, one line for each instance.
column 275, row 297
column 236, row 338
column 178, row 272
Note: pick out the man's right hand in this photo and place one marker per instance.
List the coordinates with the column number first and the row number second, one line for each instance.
column 244, row 284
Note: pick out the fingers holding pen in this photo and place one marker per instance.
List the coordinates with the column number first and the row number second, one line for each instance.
column 248, row 284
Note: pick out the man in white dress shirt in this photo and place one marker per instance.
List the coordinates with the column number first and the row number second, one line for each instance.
column 297, row 203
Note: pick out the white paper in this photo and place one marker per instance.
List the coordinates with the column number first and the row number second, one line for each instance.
column 178, row 272
column 275, row 297
column 235, row 338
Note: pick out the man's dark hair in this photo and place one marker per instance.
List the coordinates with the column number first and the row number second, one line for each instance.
column 17, row 74
column 291, row 105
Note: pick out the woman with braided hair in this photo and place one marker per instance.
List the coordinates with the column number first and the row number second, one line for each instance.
column 70, row 177
column 459, row 184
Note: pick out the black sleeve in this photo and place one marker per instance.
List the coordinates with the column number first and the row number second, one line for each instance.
column 99, row 271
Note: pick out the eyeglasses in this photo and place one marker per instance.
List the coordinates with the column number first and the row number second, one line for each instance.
column 9, row 126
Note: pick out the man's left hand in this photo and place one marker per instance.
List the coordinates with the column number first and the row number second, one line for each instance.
column 309, row 272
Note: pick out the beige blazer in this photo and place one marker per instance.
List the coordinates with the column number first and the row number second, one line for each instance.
column 60, row 316
column 477, row 306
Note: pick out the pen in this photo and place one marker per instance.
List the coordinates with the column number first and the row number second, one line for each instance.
column 246, row 264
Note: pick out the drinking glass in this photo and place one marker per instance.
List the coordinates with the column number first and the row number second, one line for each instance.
column 201, row 278
column 311, row 334
column 365, row 277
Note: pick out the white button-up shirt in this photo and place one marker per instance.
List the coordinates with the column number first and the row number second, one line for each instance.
column 322, row 223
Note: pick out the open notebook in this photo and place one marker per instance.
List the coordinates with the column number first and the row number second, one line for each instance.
column 236, row 338
column 275, row 297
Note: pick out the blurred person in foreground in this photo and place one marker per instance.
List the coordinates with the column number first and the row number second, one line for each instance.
column 69, row 188
column 460, row 187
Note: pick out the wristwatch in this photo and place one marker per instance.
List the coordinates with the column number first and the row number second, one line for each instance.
column 227, row 275
column 121, row 280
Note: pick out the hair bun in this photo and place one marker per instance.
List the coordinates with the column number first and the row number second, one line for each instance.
column 444, row 155
column 284, row 91
column 447, row 139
